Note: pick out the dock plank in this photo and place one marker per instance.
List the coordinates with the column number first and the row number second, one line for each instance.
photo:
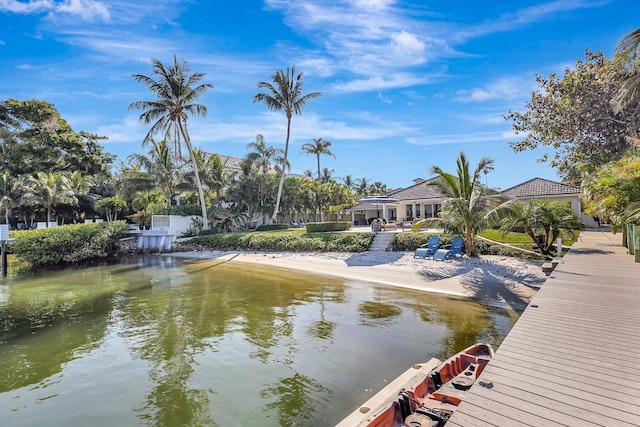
column 571, row 358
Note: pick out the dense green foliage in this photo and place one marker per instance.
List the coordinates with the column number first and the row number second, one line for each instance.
column 319, row 227
column 410, row 241
column 285, row 241
column 272, row 227
column 575, row 116
column 68, row 243
column 35, row 138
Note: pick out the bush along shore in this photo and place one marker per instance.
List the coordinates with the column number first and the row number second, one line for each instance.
column 86, row 242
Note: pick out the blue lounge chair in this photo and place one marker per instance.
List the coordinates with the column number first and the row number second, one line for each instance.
column 429, row 248
column 453, row 250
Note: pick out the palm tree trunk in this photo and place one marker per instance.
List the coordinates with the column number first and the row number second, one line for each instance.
column 284, row 165
column 318, row 166
column 187, row 141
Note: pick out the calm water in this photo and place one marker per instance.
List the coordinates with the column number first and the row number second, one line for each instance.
column 171, row 342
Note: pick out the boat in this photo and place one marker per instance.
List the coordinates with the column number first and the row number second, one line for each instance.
column 426, row 395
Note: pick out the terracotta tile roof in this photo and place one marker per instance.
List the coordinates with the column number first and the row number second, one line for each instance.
column 420, row 191
column 540, row 187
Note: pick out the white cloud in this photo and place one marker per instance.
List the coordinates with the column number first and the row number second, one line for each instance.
column 506, row 88
column 475, row 137
column 398, row 80
column 86, row 9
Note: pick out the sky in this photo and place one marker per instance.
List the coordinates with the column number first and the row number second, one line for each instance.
column 405, row 85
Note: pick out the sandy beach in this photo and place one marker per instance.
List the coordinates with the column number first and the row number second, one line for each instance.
column 497, row 280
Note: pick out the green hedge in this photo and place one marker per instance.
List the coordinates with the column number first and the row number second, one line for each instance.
column 321, row 227
column 403, row 242
column 271, row 227
column 68, row 243
column 284, row 241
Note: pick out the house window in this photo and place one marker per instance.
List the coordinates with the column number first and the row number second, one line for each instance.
column 417, row 211
column 409, row 212
column 428, row 211
column 437, row 209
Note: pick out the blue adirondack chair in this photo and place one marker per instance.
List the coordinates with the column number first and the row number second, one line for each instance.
column 453, row 250
column 428, row 249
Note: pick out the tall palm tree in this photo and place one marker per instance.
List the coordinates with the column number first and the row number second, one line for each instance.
column 284, row 94
column 49, row 190
column 466, row 209
column 318, row 147
column 176, row 91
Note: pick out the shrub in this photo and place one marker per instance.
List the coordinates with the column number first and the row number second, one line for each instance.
column 271, row 227
column 180, row 210
column 285, row 241
column 410, row 241
column 319, row 227
column 68, row 243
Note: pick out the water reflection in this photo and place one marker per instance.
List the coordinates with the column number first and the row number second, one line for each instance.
column 162, row 341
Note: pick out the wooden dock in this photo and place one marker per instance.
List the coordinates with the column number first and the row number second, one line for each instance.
column 573, row 357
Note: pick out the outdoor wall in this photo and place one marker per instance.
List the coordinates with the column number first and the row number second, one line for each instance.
column 174, row 223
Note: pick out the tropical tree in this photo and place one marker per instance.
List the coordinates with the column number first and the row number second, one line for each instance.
column 263, row 155
column 466, row 209
column 318, row 147
column 362, row 187
column 48, row 190
column 214, row 175
column 349, row 182
column 327, row 175
column 161, row 168
column 81, row 186
column 575, row 116
column 542, row 216
column 6, row 194
column 176, row 91
column 110, row 207
column 378, row 188
column 629, row 49
column 284, row 94
column 608, row 193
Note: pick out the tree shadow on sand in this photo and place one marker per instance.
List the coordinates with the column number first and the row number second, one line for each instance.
column 489, row 280
column 365, row 258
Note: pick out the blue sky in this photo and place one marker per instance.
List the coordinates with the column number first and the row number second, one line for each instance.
column 405, row 84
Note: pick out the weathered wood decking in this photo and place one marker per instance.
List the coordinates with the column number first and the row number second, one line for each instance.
column 573, row 357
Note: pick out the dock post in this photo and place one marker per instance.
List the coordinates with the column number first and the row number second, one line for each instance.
column 636, row 242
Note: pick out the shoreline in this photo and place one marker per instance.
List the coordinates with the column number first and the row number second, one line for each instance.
column 497, row 280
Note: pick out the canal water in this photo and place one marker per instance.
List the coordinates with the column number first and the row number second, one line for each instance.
column 173, row 342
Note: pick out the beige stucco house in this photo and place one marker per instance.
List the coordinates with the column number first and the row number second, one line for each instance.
column 424, row 200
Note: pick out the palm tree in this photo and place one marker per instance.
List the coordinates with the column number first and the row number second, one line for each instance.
column 327, row 175
column 6, row 199
column 466, row 210
column 214, row 174
column 629, row 46
column 362, row 186
column 284, row 94
column 349, row 182
column 541, row 216
column 159, row 165
column 263, row 155
column 49, row 190
column 81, row 186
column 318, row 147
column 176, row 92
